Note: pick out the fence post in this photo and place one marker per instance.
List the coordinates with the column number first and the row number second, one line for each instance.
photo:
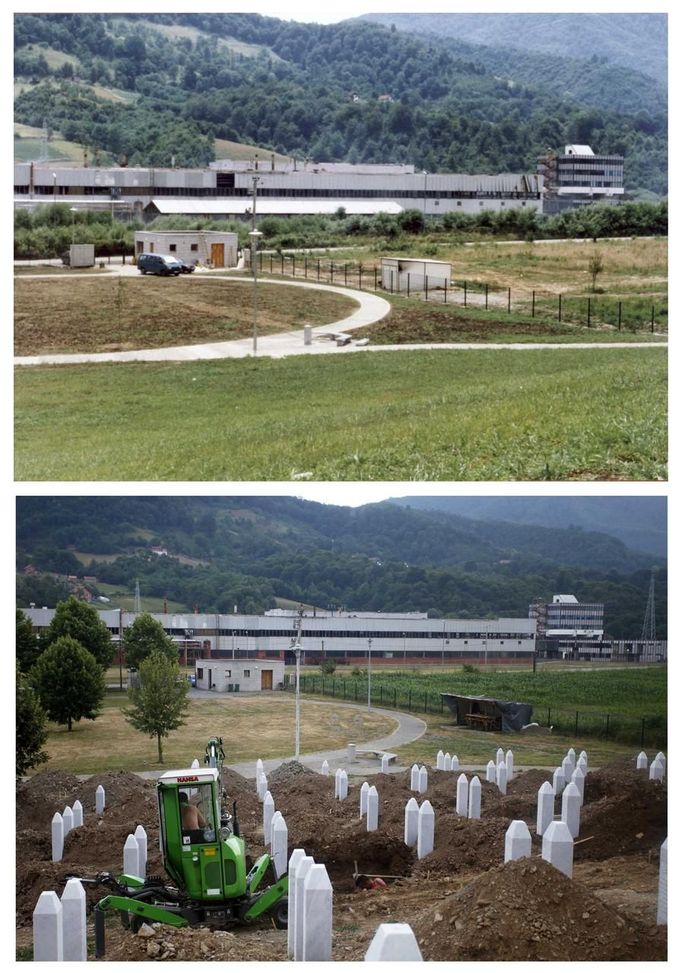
column 486, row 296
column 331, row 270
column 381, row 695
column 426, row 698
column 318, row 268
column 409, row 700
column 305, row 267
column 465, row 293
column 375, row 278
column 282, row 260
column 589, row 312
column 559, row 308
column 445, row 293
column 394, row 699
column 620, row 314
column 345, row 275
column 426, row 287
column 549, row 716
column 356, row 690
column 270, row 263
column 408, row 284
column 360, row 277
column 652, row 319
column 509, row 300
column 532, row 306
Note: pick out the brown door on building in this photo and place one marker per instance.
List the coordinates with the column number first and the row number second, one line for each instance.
column 266, row 679
column 218, row 254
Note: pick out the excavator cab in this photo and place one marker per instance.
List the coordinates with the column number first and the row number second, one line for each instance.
column 205, row 857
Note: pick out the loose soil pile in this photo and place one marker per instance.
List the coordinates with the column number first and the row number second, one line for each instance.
column 461, row 902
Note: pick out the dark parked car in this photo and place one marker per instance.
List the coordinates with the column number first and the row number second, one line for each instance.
column 158, row 263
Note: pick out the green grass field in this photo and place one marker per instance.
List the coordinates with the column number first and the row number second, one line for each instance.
column 441, row 415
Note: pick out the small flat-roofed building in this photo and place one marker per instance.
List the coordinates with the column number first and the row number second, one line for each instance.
column 413, row 274
column 239, row 675
column 211, row 248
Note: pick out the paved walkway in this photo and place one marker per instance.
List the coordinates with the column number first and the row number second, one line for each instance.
column 372, row 308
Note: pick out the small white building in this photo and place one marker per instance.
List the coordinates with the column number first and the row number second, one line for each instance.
column 400, row 274
column 239, row 675
column 211, row 248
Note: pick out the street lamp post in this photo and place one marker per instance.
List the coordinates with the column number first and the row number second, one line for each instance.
column 297, row 653
column 254, row 234
column 369, row 674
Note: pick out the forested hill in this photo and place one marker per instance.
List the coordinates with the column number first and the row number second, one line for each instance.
column 636, row 41
column 152, row 87
column 252, row 551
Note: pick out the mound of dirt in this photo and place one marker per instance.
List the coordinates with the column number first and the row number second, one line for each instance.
column 529, row 911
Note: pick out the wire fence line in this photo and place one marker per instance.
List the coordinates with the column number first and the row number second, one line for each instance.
column 640, row 731
column 635, row 313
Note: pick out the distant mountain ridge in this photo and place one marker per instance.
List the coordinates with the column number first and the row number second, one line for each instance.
column 638, row 41
column 639, row 522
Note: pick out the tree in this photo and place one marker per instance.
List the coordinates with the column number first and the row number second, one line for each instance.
column 81, row 622
column 28, row 646
column 160, row 702
column 595, row 266
column 31, row 726
column 145, row 636
column 69, row 682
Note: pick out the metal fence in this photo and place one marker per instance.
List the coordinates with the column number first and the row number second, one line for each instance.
column 642, row 731
column 591, row 311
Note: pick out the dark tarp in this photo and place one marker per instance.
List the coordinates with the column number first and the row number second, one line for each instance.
column 509, row 717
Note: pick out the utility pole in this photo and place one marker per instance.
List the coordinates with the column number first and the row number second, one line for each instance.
column 254, row 234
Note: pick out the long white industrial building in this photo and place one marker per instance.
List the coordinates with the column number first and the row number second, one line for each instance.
column 393, row 638
column 227, row 189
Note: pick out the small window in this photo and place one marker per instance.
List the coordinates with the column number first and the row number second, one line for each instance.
column 195, row 246
column 228, row 673
column 200, row 673
column 247, row 674
column 173, row 247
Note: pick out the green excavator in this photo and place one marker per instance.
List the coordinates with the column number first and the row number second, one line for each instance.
column 205, row 857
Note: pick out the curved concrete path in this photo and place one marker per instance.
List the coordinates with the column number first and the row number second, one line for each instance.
column 372, row 308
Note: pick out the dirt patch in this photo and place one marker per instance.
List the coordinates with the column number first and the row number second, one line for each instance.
column 460, row 900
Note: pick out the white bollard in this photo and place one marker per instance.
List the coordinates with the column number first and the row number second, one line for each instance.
column 48, row 943
column 656, row 770
column 462, row 801
column 67, row 815
column 343, row 786
column 447, row 762
column 141, row 836
column 571, row 756
column 454, row 762
column 259, row 767
column 661, row 757
column 297, row 855
column 567, row 768
column 372, row 809
column 423, row 780
column 77, row 814
column 642, row 761
column 280, row 846
column 352, row 747
column 509, row 761
column 304, row 866
column 384, row 763
column 336, row 783
column 393, row 942
column 570, row 809
column 100, row 800
column 582, row 758
column 578, row 778
column 74, row 924
column 499, row 756
column 57, row 837
column 317, row 916
column 261, row 786
column 131, row 857
column 325, row 768
column 662, row 906
column 364, row 790
column 268, row 814
column 545, row 808
column 195, row 765
column 426, row 830
column 269, row 837
column 440, row 758
column 411, row 822
column 517, row 841
column 558, row 780
column 501, row 776
column 474, row 798
column 414, row 778
column 557, row 847
column 490, row 772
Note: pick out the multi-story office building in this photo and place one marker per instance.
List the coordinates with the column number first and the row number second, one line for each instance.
column 578, row 176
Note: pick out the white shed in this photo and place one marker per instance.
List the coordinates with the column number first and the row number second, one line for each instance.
column 413, row 274
column 211, row 248
column 239, row 675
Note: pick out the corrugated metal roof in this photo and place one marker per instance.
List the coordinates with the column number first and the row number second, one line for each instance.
column 273, row 207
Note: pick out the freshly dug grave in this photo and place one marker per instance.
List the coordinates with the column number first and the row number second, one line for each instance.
column 453, row 898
